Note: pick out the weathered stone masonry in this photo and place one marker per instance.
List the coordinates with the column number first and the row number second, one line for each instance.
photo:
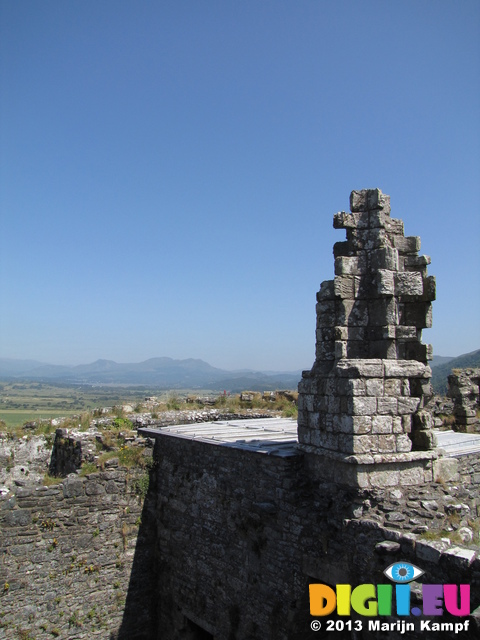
column 463, row 387
column 362, row 406
column 228, row 539
column 66, row 558
column 240, row 535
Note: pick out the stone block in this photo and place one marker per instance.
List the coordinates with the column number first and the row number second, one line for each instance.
column 358, row 444
column 368, row 199
column 385, row 282
column 381, row 332
column 18, row 518
column 359, row 200
column 93, row 488
column 356, row 333
column 381, row 479
column 343, row 423
column 410, row 244
column 326, row 333
column 378, row 200
column 344, row 287
column 417, row 262
column 460, row 557
column 325, row 351
column 351, row 387
column 395, row 227
column 351, row 313
column 367, row 240
column 358, row 349
column 405, row 369
column 383, row 349
column 430, row 288
column 414, row 351
column 382, row 424
column 343, row 220
column 361, row 424
column 340, row 333
column 386, row 258
column 350, row 266
column 397, row 425
column 327, row 291
column 406, row 333
column 325, row 440
column 393, row 387
column 423, row 420
column 334, row 404
column 371, row 368
column 313, row 420
column 382, row 312
column 374, row 386
column 381, row 219
column 341, row 249
column 430, row 551
column 446, row 470
column 407, row 405
column 403, row 443
column 407, row 423
column 424, row 440
column 408, row 284
column 416, row 314
column 73, row 487
column 387, row 405
column 362, row 406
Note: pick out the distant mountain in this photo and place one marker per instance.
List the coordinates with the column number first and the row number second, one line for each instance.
column 440, row 372
column 437, row 360
column 163, row 373
column 12, row 367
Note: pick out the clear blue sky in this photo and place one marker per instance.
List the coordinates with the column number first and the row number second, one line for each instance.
column 170, row 170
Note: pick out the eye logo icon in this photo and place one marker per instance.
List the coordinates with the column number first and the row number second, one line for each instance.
column 403, row 572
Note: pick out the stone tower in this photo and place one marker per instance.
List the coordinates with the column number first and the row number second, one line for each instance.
column 362, row 418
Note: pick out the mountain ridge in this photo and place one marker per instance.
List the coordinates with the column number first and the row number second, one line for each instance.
column 165, row 372
column 191, row 373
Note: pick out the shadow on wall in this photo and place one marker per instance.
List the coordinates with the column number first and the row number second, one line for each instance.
column 139, row 614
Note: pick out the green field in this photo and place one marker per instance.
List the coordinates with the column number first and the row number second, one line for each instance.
column 13, row 418
column 24, row 401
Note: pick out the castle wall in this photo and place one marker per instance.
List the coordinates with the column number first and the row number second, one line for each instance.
column 67, row 554
column 240, row 536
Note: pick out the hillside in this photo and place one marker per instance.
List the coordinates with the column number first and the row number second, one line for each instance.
column 441, row 371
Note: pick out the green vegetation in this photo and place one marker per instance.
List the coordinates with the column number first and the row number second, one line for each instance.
column 25, row 401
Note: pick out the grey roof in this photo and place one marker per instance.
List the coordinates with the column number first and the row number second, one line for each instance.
column 456, row 444
column 272, row 436
column 278, row 436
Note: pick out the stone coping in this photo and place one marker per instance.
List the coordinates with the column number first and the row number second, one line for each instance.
column 368, row 459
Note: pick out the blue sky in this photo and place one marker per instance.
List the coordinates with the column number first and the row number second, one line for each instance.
column 170, row 170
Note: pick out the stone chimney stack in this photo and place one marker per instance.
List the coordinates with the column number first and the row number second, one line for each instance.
column 362, row 406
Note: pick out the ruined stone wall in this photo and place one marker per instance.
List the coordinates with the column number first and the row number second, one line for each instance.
column 66, row 558
column 463, row 388
column 240, row 535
